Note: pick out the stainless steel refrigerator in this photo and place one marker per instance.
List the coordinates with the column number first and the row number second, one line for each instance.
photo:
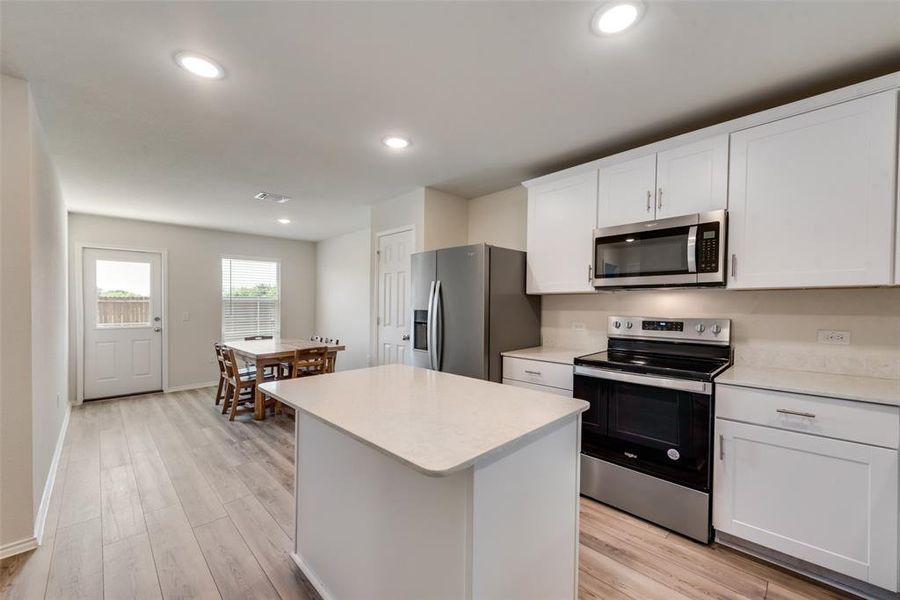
column 469, row 305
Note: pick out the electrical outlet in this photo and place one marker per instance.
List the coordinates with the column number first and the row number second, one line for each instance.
column 834, row 336
column 578, row 326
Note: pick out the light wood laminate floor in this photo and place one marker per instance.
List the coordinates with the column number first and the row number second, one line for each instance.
column 159, row 496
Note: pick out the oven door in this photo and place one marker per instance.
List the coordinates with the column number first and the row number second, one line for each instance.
column 658, row 426
column 669, row 252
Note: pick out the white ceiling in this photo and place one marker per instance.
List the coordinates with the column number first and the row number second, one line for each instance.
column 491, row 93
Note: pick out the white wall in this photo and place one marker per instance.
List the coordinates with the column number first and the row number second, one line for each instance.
column 774, row 328
column 342, row 295
column 33, row 397
column 499, row 218
column 194, row 283
column 446, row 220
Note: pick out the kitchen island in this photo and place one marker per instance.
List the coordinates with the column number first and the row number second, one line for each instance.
column 412, row 483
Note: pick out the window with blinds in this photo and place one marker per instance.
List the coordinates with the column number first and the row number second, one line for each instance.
column 250, row 298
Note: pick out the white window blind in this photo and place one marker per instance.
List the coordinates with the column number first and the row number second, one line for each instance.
column 250, row 298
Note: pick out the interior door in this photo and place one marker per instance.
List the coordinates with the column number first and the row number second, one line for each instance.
column 626, row 192
column 461, row 306
column 393, row 321
column 692, row 178
column 122, row 322
column 829, row 502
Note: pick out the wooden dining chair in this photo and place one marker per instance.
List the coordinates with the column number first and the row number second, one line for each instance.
column 240, row 385
column 309, row 362
column 220, row 390
column 331, row 355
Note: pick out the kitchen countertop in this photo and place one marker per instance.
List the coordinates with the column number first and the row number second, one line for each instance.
column 848, row 387
column 435, row 422
column 563, row 356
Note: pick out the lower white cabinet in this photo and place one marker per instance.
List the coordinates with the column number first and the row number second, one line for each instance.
column 543, row 376
column 829, row 502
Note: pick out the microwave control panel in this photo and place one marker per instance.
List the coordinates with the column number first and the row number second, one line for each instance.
column 708, row 248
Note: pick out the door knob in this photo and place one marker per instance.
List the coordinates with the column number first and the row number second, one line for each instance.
column 405, row 337
column 157, row 329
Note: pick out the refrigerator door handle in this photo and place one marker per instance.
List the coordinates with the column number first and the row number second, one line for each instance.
column 429, row 327
column 439, row 326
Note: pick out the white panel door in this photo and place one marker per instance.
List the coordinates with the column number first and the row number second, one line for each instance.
column 394, row 264
column 627, row 192
column 829, row 502
column 811, row 198
column 122, row 322
column 692, row 178
column 561, row 217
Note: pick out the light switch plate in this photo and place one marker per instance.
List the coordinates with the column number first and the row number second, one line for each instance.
column 834, row 337
column 578, row 326
column 185, row 316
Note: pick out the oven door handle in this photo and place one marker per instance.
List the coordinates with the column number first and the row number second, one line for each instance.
column 686, row 385
column 692, row 250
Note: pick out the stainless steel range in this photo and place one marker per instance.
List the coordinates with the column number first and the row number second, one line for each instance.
column 647, row 437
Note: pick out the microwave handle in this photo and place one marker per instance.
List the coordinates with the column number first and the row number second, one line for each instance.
column 692, row 249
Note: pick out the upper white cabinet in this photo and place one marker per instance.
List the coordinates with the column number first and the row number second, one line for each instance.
column 561, row 217
column 627, row 192
column 692, row 178
column 812, row 197
column 684, row 180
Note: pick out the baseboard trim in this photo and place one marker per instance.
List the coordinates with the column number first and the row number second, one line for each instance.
column 41, row 519
column 190, row 386
column 13, row 548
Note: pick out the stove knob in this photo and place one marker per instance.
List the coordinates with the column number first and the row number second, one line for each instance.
column 629, row 324
column 617, row 324
column 716, row 329
column 700, row 327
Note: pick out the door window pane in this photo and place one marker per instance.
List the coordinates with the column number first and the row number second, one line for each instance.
column 123, row 293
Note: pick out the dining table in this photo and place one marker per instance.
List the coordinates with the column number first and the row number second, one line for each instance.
column 272, row 352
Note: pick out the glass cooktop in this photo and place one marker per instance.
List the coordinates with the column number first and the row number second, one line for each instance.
column 682, row 367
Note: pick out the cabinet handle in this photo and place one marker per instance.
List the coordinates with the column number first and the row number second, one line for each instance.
column 721, row 447
column 795, row 413
column 532, row 372
column 659, row 199
column 590, row 273
column 734, row 265
column 649, row 204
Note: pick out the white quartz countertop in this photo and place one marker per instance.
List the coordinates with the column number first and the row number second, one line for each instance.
column 435, row 422
column 564, row 356
column 848, row 387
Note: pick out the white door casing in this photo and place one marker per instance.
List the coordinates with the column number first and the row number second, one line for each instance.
column 393, row 315
column 122, row 332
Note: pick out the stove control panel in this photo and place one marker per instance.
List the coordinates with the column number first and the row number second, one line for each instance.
column 704, row 331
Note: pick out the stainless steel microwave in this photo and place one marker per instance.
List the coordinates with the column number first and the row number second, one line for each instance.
column 682, row 251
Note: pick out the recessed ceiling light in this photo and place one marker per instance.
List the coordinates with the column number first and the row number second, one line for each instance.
column 199, row 65
column 395, row 143
column 284, row 221
column 629, row 240
column 617, row 16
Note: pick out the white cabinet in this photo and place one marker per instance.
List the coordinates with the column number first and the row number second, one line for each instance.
column 626, row 192
column 811, row 198
column 552, row 377
column 813, row 478
column 688, row 179
column 692, row 178
column 561, row 217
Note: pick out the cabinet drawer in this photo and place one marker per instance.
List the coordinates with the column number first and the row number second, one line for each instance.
column 538, row 388
column 875, row 424
column 535, row 371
